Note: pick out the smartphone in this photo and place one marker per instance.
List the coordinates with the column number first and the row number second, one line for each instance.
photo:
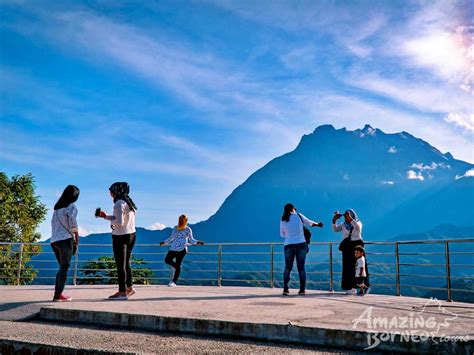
column 97, row 212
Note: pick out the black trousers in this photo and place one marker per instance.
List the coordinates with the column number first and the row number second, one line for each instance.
column 179, row 256
column 63, row 252
column 123, row 246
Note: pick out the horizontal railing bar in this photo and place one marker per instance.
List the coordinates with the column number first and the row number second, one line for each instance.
column 434, row 241
column 246, row 271
column 382, row 264
column 422, row 253
column 426, row 276
column 462, row 265
column 243, row 280
column 462, row 290
column 424, row 287
column 408, row 264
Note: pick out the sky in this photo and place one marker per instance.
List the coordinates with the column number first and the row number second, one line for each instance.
column 185, row 99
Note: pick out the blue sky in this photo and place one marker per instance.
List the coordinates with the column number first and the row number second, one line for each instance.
column 185, row 99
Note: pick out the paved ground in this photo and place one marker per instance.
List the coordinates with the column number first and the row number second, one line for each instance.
column 99, row 338
column 249, row 304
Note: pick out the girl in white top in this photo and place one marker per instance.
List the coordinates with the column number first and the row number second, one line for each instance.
column 360, row 269
column 122, row 223
column 291, row 229
column 64, row 237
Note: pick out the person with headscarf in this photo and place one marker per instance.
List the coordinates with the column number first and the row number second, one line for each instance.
column 351, row 230
column 64, row 237
column 296, row 247
column 122, row 223
column 181, row 237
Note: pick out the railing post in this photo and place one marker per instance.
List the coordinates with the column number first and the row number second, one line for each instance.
column 271, row 265
column 20, row 260
column 331, row 288
column 76, row 261
column 397, row 269
column 219, row 271
column 448, row 270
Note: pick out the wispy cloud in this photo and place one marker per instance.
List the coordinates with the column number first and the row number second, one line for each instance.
column 469, row 173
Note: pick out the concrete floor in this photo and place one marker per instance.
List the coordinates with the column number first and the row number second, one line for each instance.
column 248, row 304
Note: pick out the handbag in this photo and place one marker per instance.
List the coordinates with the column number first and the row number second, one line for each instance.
column 343, row 244
column 306, row 231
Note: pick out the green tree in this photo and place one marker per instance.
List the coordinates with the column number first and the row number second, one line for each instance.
column 20, row 214
column 103, row 271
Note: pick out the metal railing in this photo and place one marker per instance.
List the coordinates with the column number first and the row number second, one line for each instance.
column 229, row 264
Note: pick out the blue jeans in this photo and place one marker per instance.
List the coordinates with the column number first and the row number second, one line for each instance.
column 299, row 252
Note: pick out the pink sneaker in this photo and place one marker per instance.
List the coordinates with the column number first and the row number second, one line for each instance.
column 62, row 298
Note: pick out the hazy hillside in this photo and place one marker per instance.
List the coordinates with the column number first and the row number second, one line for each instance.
column 396, row 182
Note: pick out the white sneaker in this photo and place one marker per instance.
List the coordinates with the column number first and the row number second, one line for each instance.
column 171, row 284
column 351, row 292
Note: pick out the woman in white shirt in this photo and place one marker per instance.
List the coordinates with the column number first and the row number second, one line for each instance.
column 351, row 230
column 122, row 223
column 64, row 237
column 291, row 229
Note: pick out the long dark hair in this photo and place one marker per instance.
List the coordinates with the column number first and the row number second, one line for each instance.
column 69, row 195
column 287, row 212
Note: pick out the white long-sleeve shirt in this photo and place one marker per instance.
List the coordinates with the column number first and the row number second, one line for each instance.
column 123, row 219
column 356, row 232
column 292, row 231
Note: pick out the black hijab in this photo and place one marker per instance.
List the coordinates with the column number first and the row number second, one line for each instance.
column 120, row 190
column 70, row 195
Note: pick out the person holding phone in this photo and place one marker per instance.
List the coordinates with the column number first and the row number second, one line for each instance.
column 351, row 230
column 64, row 237
column 181, row 237
column 122, row 223
column 291, row 229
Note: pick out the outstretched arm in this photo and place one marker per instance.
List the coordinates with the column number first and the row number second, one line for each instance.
column 310, row 223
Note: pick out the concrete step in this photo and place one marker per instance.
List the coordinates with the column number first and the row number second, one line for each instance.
column 309, row 335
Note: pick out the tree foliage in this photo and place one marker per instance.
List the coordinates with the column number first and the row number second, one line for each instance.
column 20, row 214
column 104, row 271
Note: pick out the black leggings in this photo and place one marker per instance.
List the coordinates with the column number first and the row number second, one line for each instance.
column 123, row 245
column 179, row 255
column 63, row 252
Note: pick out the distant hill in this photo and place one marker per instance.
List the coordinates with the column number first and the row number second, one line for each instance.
column 396, row 182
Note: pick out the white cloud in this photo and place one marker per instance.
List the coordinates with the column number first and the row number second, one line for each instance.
column 157, row 226
column 469, row 173
column 432, row 166
column 392, row 150
column 387, row 182
column 83, row 232
column 413, row 175
column 465, row 121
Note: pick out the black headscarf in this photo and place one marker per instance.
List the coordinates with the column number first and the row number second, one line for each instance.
column 70, row 195
column 120, row 190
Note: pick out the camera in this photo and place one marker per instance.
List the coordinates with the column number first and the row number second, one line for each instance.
column 97, row 212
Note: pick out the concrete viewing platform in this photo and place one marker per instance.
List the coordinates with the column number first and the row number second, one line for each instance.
column 322, row 319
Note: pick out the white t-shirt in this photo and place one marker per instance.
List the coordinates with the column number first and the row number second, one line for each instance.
column 292, row 231
column 360, row 263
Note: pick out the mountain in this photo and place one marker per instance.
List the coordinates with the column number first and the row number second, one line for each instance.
column 397, row 183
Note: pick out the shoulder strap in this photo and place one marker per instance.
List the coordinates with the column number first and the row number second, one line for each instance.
column 301, row 219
